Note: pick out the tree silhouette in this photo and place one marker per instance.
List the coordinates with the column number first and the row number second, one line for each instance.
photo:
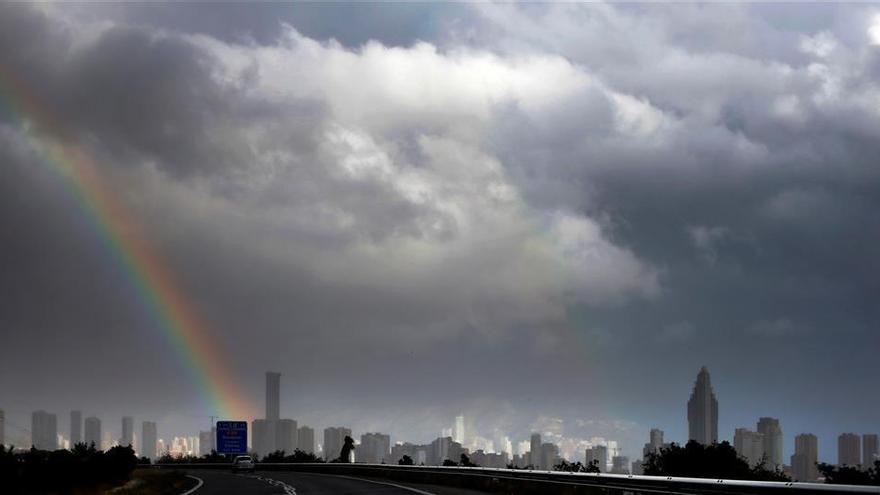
column 405, row 461
column 64, row 471
column 850, row 475
column 298, row 456
column 347, row 449
column 576, row 467
column 718, row 460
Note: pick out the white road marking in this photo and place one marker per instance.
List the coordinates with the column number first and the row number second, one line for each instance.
column 288, row 490
column 199, row 485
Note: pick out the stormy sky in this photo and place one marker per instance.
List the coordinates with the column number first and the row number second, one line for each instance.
column 546, row 217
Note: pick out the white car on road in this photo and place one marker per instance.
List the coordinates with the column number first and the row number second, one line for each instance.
column 243, row 463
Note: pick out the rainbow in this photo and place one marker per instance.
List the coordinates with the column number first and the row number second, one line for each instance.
column 127, row 243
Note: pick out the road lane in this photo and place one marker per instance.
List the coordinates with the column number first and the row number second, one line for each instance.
column 319, row 484
column 218, row 482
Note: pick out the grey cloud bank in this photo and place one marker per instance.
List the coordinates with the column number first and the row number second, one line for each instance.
column 556, row 211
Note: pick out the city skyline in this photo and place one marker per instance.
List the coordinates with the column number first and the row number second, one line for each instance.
column 764, row 444
column 535, row 217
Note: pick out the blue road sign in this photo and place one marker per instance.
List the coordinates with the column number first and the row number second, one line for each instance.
column 231, row 437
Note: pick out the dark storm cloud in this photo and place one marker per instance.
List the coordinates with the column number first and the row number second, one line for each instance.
column 499, row 218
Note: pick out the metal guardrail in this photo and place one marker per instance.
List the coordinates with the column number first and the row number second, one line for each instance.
column 533, row 481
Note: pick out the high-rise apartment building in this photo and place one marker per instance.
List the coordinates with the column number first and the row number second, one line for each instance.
column 206, row 441
column 273, row 396
column 849, row 449
column 127, row 431
column 75, row 428
column 375, row 448
column 806, row 455
column 334, row 438
column 263, row 436
column 305, row 440
column 772, row 432
column 44, row 430
column 535, row 450
column 93, row 432
column 549, row 455
column 655, row 443
column 870, row 450
column 458, row 429
column 286, row 435
column 599, row 454
column 620, row 464
column 149, row 439
column 749, row 445
column 703, row 411
column 2, row 427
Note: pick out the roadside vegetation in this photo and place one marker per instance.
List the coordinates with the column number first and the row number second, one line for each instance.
column 83, row 469
column 851, row 475
column 155, row 482
column 718, row 461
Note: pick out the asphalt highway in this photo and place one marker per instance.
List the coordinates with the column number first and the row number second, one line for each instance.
column 292, row 483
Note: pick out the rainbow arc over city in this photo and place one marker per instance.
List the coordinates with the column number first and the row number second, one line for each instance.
column 127, row 244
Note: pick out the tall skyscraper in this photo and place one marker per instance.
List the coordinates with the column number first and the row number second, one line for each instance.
column 2, row 427
column 655, row 443
column 749, row 445
column 149, row 440
column 599, row 454
column 703, row 411
column 305, row 440
column 458, row 430
column 535, row 450
column 127, row 431
column 93, row 432
column 849, row 449
column 273, row 396
column 806, row 455
column 75, row 428
column 772, row 452
column 44, row 430
column 333, row 440
column 656, row 437
column 870, row 449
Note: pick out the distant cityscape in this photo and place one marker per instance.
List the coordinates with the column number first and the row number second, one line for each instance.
column 274, row 433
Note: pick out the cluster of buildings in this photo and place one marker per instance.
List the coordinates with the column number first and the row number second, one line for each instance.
column 273, row 433
column 763, row 444
column 46, row 435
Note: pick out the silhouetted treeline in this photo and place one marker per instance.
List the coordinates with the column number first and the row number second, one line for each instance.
column 850, row 475
column 463, row 461
column 215, row 458
column 577, row 467
column 83, row 467
column 718, row 461
column 297, row 456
